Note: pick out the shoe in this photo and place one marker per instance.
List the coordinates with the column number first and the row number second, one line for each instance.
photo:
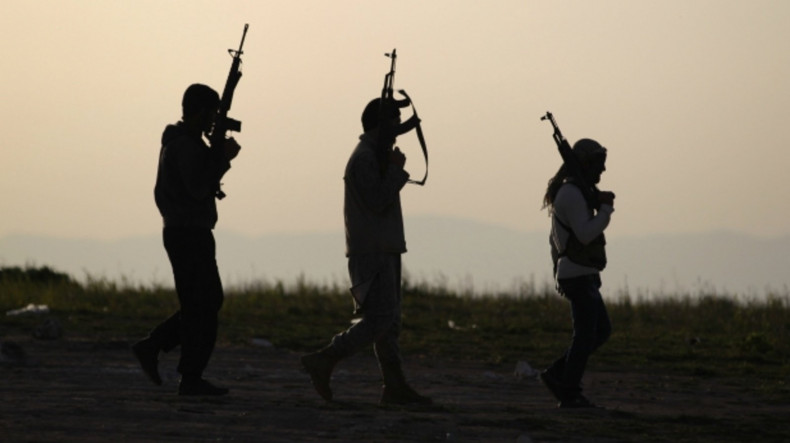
column 578, row 402
column 403, row 395
column 199, row 386
column 396, row 390
column 554, row 385
column 147, row 354
column 319, row 367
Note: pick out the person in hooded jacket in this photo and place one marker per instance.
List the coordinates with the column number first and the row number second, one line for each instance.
column 578, row 252
column 187, row 182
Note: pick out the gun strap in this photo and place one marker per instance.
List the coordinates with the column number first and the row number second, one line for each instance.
column 420, row 137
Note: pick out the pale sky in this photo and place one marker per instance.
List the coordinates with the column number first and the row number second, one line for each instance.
column 690, row 97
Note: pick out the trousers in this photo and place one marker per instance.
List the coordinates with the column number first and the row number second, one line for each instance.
column 591, row 329
column 381, row 310
column 192, row 254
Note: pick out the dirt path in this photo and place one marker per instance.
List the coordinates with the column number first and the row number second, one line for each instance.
column 73, row 390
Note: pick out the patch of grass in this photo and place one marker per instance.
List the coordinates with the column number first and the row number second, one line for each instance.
column 704, row 336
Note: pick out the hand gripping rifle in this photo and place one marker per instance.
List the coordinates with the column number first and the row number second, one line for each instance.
column 223, row 123
column 572, row 165
column 412, row 123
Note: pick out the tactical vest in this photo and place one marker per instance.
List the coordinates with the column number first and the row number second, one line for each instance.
column 592, row 255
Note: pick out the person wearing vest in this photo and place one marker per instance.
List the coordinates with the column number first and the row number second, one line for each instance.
column 578, row 252
column 375, row 240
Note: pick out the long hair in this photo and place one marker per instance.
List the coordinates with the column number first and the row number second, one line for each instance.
column 553, row 187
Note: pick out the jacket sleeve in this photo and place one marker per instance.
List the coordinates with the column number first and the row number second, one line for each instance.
column 199, row 169
column 572, row 210
column 376, row 191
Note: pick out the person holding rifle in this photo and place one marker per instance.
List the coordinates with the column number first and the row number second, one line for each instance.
column 187, row 183
column 579, row 215
column 375, row 240
column 185, row 192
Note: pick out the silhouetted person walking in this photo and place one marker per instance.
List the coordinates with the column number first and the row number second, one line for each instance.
column 577, row 243
column 375, row 241
column 186, row 184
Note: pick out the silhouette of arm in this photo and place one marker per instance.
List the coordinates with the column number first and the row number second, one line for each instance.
column 199, row 170
column 376, row 191
column 571, row 207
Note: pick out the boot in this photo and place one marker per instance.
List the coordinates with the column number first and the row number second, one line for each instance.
column 147, row 353
column 396, row 391
column 196, row 385
column 319, row 366
column 554, row 385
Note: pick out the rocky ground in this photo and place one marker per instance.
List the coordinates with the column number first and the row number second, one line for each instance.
column 81, row 390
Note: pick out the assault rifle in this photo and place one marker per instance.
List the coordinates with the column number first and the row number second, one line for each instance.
column 223, row 123
column 572, row 165
column 412, row 123
column 389, row 78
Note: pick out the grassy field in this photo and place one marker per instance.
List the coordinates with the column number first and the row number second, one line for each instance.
column 709, row 340
column 701, row 335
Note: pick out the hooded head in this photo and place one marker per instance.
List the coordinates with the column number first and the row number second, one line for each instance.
column 588, row 150
column 592, row 157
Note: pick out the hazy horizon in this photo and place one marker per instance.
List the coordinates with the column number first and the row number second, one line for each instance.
column 458, row 254
column 689, row 97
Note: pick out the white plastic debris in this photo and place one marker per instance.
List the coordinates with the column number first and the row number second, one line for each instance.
column 29, row 309
column 492, row 375
column 452, row 325
column 524, row 370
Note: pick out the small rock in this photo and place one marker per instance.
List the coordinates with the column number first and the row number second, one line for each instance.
column 12, row 354
column 524, row 438
column 51, row 329
column 524, row 370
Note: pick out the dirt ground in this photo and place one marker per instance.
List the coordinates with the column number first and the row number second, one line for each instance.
column 78, row 390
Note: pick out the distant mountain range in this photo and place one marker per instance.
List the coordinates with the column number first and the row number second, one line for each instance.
column 458, row 254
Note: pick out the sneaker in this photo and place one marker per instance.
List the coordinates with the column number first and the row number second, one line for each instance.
column 403, row 395
column 199, row 386
column 554, row 385
column 319, row 367
column 577, row 402
column 147, row 354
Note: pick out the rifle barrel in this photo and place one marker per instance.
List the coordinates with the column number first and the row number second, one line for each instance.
column 243, row 36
